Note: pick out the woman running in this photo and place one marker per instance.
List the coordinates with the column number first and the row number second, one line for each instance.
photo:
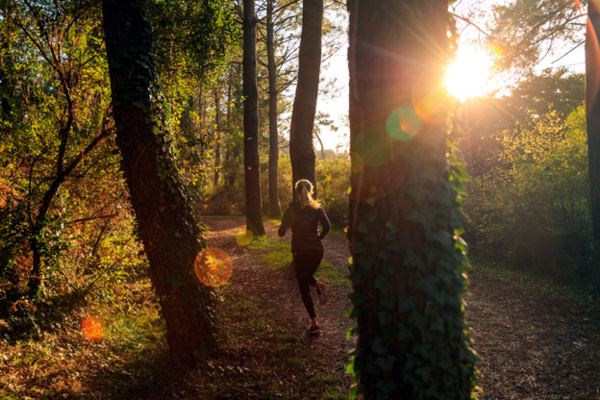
column 303, row 216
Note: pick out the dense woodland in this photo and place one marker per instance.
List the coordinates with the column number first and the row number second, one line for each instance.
column 122, row 126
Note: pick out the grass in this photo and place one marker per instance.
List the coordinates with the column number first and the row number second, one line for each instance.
column 62, row 363
column 276, row 254
column 257, row 359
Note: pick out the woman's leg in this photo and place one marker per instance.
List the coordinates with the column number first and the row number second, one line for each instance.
column 306, row 263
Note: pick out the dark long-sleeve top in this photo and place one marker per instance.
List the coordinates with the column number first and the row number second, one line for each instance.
column 304, row 223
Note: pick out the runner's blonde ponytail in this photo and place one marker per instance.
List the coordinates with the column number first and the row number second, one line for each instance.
column 305, row 192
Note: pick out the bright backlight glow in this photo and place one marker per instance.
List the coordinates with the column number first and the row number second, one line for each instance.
column 469, row 75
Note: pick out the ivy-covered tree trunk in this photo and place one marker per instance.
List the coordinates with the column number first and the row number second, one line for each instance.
column 274, row 204
column 254, row 222
column 302, row 153
column 408, row 264
column 166, row 223
column 592, row 61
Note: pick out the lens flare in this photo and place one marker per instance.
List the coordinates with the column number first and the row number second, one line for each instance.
column 213, row 267
column 403, row 124
column 430, row 102
column 92, row 328
column 243, row 238
column 373, row 146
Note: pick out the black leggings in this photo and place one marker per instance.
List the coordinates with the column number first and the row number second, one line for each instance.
column 306, row 263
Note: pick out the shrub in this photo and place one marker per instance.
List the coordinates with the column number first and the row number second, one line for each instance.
column 535, row 209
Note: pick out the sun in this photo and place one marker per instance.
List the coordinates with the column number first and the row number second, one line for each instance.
column 469, row 75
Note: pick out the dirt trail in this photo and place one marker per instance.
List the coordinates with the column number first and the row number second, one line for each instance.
column 532, row 345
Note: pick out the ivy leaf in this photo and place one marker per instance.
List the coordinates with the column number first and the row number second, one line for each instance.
column 357, row 298
column 353, row 392
column 386, row 386
column 438, row 325
column 385, row 318
column 362, row 227
column 350, row 367
column 385, row 363
column 459, row 188
column 413, row 260
column 355, row 277
column 351, row 313
column 387, row 302
column 403, row 333
column 378, row 348
column 390, row 225
column 423, row 373
column 381, row 284
column 406, row 304
column 366, row 263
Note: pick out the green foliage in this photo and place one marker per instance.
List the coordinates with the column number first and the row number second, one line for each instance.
column 196, row 37
column 61, row 192
column 333, row 181
column 527, row 29
column 550, row 90
column 537, row 209
column 284, row 181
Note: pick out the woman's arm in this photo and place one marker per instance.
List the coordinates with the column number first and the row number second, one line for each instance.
column 285, row 222
column 326, row 225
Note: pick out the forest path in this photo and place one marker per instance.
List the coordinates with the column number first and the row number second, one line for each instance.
column 532, row 344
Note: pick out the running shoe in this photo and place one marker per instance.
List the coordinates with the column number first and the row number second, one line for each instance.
column 314, row 330
column 322, row 293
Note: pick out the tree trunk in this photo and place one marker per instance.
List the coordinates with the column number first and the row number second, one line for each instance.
column 407, row 263
column 302, row 153
column 592, row 58
column 254, row 222
column 217, row 136
column 166, row 224
column 274, row 204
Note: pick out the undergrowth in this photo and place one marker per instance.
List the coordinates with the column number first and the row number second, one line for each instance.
column 256, row 359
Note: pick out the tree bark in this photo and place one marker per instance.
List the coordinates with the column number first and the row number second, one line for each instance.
column 407, row 263
column 232, row 149
column 302, row 153
column 218, row 128
column 274, row 204
column 166, row 224
column 254, row 222
column 592, row 61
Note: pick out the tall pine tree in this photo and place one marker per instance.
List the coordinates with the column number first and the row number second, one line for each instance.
column 408, row 264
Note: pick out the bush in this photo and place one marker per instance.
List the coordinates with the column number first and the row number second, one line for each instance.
column 333, row 181
column 225, row 200
column 534, row 209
